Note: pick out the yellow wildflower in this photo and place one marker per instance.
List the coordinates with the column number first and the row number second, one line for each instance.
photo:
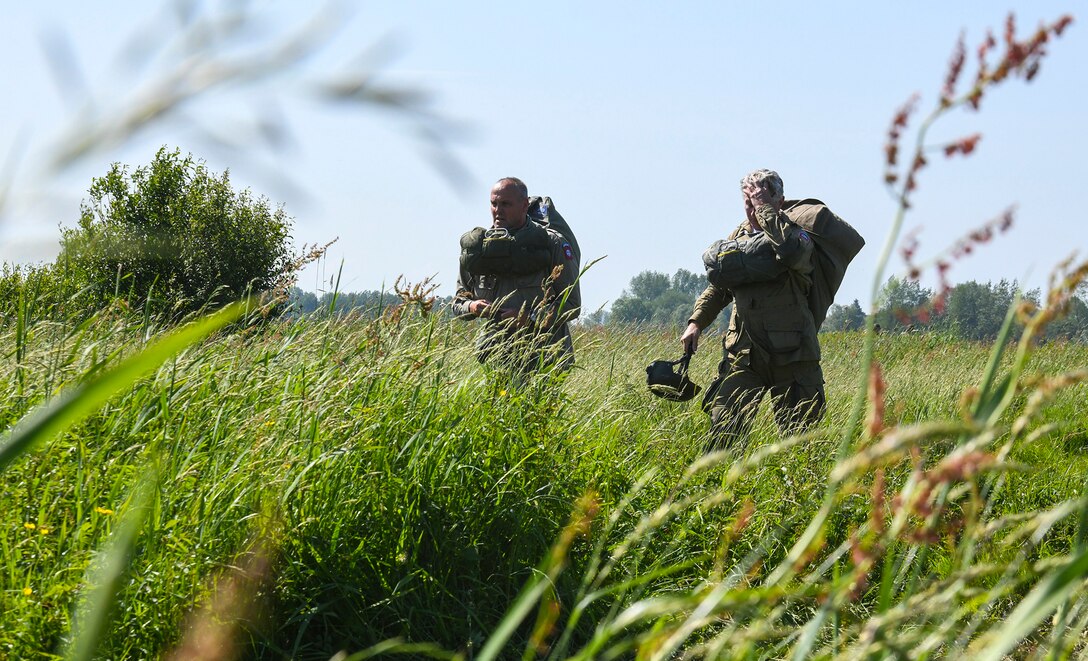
column 29, row 526
column 502, row 393
column 44, row 530
column 27, row 592
column 103, row 510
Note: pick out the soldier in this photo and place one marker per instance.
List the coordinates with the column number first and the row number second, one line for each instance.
column 520, row 277
column 771, row 343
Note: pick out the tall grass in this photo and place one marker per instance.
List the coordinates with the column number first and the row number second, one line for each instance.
column 398, row 491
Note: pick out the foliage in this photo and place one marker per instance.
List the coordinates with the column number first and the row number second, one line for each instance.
column 656, row 299
column 844, row 318
column 1074, row 325
column 175, row 234
column 970, row 310
column 367, row 303
column 903, row 302
column 975, row 311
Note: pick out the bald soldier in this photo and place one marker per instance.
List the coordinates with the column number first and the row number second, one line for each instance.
column 764, row 268
column 519, row 277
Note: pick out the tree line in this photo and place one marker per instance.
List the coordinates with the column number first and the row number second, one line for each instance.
column 970, row 310
column 172, row 237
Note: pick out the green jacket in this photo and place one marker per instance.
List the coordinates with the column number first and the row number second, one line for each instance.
column 769, row 316
column 550, row 304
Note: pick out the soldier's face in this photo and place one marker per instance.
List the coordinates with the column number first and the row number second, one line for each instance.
column 508, row 207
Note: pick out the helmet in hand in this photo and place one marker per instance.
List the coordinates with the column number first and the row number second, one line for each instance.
column 668, row 382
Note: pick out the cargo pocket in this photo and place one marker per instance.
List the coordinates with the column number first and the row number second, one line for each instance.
column 784, row 337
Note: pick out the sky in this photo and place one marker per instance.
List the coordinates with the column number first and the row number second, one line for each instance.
column 637, row 118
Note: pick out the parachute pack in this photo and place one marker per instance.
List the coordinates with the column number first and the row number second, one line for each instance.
column 498, row 252
column 837, row 243
column 730, row 263
column 542, row 212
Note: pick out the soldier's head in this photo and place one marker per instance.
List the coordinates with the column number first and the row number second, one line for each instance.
column 509, row 203
column 769, row 186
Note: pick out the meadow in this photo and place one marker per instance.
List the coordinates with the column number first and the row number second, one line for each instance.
column 341, row 485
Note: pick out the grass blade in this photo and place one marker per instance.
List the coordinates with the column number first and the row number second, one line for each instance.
column 104, row 578
column 77, row 403
column 1051, row 592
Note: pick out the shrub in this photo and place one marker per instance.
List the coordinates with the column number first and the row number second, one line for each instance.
column 174, row 235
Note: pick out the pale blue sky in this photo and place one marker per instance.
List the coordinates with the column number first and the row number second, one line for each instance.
column 638, row 118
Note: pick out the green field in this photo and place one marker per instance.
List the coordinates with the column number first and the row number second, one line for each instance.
column 324, row 485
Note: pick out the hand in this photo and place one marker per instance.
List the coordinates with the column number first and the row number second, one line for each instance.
column 478, row 307
column 757, row 196
column 690, row 338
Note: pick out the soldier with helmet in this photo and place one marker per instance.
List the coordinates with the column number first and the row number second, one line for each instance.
column 771, row 344
column 520, row 277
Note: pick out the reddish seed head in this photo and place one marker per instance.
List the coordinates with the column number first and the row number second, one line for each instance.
column 891, row 151
column 955, row 67
column 962, row 146
column 939, row 302
column 878, row 497
column 876, row 396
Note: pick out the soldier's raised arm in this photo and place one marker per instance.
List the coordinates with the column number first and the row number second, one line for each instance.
column 791, row 243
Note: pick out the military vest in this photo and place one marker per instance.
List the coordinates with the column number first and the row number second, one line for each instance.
column 500, row 252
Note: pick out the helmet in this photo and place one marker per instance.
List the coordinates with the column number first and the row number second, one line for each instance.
column 668, row 383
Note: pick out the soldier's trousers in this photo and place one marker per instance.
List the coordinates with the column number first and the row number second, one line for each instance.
column 797, row 396
column 525, row 351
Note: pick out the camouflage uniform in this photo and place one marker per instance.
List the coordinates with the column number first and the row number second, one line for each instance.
column 540, row 298
column 771, row 344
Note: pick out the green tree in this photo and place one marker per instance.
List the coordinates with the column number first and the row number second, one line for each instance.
column 301, row 302
column 689, row 283
column 903, row 303
column 976, row 311
column 648, row 285
column 630, row 310
column 176, row 234
column 1074, row 325
column 844, row 317
column 657, row 298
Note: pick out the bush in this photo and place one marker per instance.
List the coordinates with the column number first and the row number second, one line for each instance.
column 174, row 235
